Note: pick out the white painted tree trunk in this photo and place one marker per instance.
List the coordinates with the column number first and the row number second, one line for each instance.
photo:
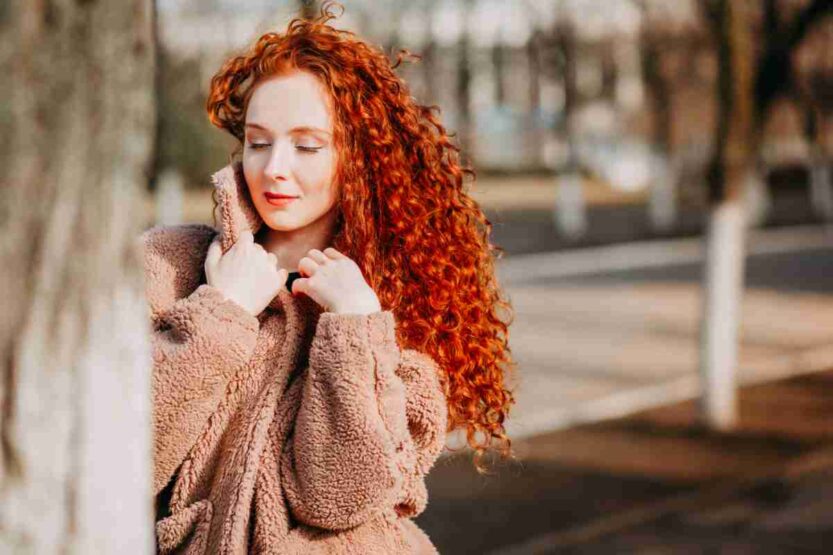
column 757, row 198
column 662, row 202
column 75, row 405
column 570, row 207
column 170, row 198
column 725, row 244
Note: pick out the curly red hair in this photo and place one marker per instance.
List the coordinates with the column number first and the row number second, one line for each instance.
column 404, row 215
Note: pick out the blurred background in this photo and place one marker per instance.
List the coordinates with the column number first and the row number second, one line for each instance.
column 674, row 387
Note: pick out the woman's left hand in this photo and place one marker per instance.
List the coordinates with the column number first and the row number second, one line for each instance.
column 335, row 282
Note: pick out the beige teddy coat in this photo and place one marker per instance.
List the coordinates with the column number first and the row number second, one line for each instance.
column 296, row 431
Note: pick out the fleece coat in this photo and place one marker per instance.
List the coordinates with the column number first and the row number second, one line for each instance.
column 294, row 431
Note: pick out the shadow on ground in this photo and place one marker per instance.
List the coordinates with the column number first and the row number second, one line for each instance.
column 654, row 482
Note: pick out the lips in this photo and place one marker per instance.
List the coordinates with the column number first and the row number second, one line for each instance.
column 278, row 196
column 279, row 200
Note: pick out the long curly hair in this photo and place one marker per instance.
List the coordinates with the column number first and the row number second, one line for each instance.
column 404, row 214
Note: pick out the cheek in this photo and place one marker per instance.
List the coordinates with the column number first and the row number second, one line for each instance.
column 317, row 176
column 252, row 169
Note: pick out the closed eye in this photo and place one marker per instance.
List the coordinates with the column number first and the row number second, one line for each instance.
column 258, row 146
column 308, row 148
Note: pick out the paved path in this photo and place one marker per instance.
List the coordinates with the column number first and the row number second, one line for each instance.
column 596, row 337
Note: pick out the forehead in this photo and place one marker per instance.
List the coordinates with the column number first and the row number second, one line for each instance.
column 296, row 99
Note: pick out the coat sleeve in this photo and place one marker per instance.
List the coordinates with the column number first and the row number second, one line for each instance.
column 198, row 341
column 371, row 423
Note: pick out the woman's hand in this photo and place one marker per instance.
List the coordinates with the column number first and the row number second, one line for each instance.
column 246, row 274
column 335, row 282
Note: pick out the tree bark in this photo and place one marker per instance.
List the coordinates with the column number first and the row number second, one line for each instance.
column 308, row 9
column 75, row 443
column 533, row 54
column 463, row 89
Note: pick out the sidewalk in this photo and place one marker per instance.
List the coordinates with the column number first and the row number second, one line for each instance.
column 593, row 342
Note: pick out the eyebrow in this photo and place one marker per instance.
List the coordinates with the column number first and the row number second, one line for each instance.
column 300, row 129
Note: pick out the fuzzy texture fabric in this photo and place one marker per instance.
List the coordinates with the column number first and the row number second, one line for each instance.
column 296, row 431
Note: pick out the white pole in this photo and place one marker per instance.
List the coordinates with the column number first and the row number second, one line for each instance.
column 720, row 325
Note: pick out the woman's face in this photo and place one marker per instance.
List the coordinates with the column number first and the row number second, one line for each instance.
column 288, row 150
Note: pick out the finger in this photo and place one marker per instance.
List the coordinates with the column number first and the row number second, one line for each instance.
column 299, row 286
column 318, row 256
column 307, row 266
column 215, row 251
column 332, row 253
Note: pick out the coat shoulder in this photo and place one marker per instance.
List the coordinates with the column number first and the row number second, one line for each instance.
column 173, row 258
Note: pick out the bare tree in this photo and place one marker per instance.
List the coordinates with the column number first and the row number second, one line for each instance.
column 308, row 8
column 570, row 213
column 75, row 443
column 747, row 87
column 814, row 85
column 499, row 67
column 734, row 140
column 463, row 89
column 533, row 54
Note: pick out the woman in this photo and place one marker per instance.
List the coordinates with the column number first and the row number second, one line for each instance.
column 312, row 350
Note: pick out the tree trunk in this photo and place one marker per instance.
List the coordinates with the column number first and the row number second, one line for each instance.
column 662, row 202
column 463, row 89
column 499, row 69
column 571, row 208
column 308, row 9
column 533, row 53
column 726, row 227
column 75, row 406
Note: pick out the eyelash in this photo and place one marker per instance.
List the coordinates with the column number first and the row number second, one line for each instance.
column 306, row 149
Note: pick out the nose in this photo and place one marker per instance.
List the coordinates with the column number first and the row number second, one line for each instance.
column 277, row 169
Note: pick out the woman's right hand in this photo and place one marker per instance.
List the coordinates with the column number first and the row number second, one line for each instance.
column 246, row 274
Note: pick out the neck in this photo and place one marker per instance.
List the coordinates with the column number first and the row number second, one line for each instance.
column 291, row 246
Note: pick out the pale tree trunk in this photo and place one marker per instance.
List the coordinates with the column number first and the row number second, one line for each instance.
column 538, row 136
column 726, row 225
column 75, row 405
column 655, row 45
column 571, row 206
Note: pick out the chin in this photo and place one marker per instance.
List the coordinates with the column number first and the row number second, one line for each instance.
column 282, row 224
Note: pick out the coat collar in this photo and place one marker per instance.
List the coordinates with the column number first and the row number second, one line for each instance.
column 234, row 211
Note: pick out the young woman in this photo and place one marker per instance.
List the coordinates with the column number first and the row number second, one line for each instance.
column 314, row 347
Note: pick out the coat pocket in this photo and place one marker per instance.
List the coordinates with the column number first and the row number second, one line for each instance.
column 185, row 532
